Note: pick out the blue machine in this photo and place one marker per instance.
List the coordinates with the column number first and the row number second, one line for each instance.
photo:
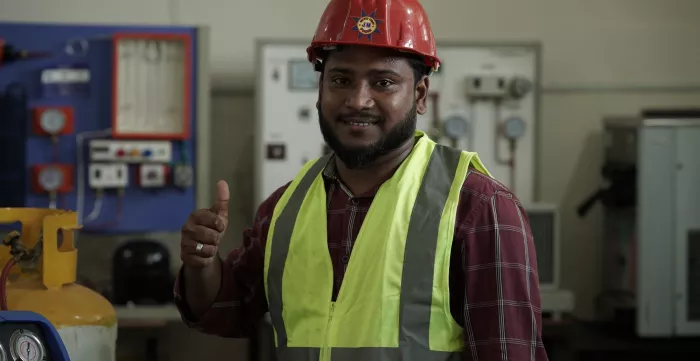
column 29, row 336
column 75, row 77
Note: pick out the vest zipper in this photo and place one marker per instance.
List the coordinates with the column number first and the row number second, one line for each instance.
column 326, row 350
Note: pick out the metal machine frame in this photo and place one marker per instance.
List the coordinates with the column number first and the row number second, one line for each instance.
column 652, row 243
column 666, row 214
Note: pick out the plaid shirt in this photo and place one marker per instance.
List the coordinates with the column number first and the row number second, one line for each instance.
column 494, row 288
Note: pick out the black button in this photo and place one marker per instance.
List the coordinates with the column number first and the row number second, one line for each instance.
column 345, row 259
column 276, row 151
column 304, row 113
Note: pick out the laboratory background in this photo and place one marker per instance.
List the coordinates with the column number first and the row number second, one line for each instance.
column 128, row 112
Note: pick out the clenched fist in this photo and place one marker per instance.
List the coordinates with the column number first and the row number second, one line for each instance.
column 199, row 242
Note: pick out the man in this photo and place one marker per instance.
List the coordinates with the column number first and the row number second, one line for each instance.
column 430, row 258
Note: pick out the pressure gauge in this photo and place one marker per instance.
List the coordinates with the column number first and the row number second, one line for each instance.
column 456, row 127
column 519, row 87
column 52, row 121
column 25, row 346
column 50, row 178
column 183, row 176
column 514, row 128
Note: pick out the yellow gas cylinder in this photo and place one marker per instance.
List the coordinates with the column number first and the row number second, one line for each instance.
column 43, row 281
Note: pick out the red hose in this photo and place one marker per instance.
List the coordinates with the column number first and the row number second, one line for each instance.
column 3, row 283
column 511, row 165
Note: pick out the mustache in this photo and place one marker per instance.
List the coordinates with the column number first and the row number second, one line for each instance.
column 361, row 116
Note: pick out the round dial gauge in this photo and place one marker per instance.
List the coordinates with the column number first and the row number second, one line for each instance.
column 25, row 346
column 514, row 128
column 52, row 121
column 519, row 87
column 50, row 178
column 183, row 176
column 456, row 127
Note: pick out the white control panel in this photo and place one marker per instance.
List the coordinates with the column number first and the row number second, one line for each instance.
column 105, row 176
column 153, row 175
column 130, row 151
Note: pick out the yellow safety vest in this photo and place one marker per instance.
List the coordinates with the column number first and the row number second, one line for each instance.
column 394, row 302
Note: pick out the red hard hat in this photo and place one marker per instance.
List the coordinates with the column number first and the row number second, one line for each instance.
column 395, row 24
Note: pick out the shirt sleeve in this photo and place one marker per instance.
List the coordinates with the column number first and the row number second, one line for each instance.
column 502, row 314
column 241, row 301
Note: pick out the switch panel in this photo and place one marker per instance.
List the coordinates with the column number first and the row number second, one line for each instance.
column 132, row 151
column 153, row 175
column 487, row 86
column 104, row 176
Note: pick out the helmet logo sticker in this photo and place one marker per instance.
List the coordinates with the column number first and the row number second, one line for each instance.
column 366, row 24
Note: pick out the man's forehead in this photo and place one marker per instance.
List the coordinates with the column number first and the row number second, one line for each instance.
column 367, row 56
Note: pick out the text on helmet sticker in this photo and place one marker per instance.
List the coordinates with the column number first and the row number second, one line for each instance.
column 366, row 25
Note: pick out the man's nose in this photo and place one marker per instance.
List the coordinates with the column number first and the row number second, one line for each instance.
column 360, row 97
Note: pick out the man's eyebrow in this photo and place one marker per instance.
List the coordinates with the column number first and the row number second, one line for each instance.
column 384, row 72
column 348, row 71
column 340, row 70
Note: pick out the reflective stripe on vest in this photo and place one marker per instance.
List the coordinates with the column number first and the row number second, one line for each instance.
column 394, row 301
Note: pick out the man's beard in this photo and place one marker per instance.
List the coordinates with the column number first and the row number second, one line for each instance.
column 360, row 157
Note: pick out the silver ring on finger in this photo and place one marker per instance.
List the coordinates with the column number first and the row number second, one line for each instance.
column 199, row 247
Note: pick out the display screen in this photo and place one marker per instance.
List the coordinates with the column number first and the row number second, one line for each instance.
column 302, row 75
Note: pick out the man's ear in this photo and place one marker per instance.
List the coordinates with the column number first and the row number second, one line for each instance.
column 422, row 95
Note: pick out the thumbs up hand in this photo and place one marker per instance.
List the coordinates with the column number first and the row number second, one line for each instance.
column 201, row 234
column 220, row 207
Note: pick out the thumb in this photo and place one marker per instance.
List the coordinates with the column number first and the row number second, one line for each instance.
column 220, row 207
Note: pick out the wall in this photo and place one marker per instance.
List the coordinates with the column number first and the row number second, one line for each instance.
column 600, row 58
